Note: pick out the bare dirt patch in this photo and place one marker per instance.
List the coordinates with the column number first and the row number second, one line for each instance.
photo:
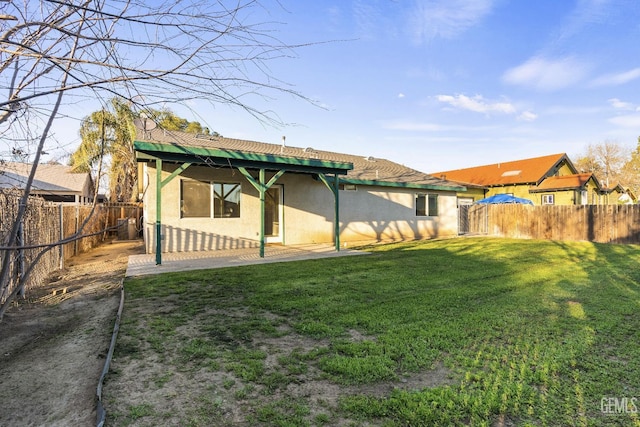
column 160, row 386
column 53, row 345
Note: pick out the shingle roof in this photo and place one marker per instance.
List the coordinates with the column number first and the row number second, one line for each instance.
column 565, row 182
column 526, row 171
column 49, row 178
column 367, row 169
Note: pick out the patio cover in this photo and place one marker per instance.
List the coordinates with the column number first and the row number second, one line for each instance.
column 243, row 161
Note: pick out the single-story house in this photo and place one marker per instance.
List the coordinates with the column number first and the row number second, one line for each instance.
column 614, row 195
column 52, row 182
column 546, row 180
column 204, row 192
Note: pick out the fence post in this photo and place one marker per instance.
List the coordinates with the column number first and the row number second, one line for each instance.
column 75, row 229
column 61, row 209
column 21, row 264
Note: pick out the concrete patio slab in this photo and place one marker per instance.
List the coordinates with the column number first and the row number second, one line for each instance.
column 145, row 264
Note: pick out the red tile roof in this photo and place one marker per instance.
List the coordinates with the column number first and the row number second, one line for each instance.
column 526, row 171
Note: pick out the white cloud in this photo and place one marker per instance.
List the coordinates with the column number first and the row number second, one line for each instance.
column 477, row 104
column 401, row 95
column 620, row 105
column 628, row 121
column 616, row 79
column 446, row 18
column 547, row 74
column 527, row 116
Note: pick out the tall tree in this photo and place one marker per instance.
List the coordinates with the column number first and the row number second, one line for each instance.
column 631, row 171
column 110, row 132
column 606, row 160
column 145, row 52
column 96, row 133
column 167, row 119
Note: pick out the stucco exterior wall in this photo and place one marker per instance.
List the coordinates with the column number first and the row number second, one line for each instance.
column 368, row 214
column 389, row 214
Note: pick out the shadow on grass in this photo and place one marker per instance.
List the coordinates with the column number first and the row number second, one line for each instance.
column 464, row 331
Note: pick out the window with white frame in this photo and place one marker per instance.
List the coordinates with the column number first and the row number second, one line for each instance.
column 547, row 199
column 426, row 204
column 199, row 199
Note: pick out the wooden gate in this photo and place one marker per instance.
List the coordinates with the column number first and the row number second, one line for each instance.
column 117, row 212
column 473, row 219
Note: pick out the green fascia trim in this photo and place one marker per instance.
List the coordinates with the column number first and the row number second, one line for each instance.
column 155, row 147
column 403, row 185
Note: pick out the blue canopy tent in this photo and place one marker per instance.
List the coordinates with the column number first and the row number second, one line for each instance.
column 502, row 199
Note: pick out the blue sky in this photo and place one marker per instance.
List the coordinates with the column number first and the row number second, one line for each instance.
column 445, row 84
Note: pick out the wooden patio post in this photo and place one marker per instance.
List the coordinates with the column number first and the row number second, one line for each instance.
column 158, row 211
column 262, row 191
column 336, row 195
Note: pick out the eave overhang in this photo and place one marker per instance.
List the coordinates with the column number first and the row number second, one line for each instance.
column 411, row 185
column 552, row 190
column 148, row 151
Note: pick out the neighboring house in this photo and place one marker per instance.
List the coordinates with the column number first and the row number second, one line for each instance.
column 612, row 195
column 209, row 193
column 576, row 189
column 546, row 180
column 52, row 182
column 628, row 198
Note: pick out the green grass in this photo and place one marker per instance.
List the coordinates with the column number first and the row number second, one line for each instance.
column 526, row 333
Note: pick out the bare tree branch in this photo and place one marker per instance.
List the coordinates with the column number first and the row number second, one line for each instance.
column 144, row 52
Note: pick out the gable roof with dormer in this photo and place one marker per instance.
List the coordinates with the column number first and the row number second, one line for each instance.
column 519, row 172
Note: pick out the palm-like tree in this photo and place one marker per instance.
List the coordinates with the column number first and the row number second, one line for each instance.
column 109, row 134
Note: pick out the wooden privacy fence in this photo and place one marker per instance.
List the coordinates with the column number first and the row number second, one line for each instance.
column 47, row 224
column 594, row 223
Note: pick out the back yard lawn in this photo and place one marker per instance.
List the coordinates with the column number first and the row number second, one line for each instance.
column 452, row 332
